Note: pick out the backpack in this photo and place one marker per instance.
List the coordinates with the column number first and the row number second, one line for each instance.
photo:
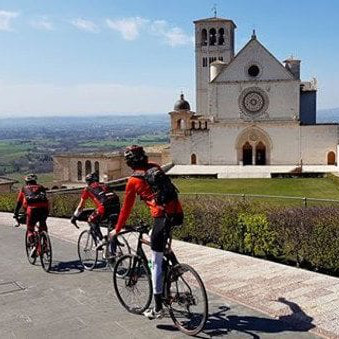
column 106, row 197
column 35, row 194
column 160, row 183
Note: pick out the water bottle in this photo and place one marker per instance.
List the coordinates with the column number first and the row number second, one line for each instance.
column 150, row 265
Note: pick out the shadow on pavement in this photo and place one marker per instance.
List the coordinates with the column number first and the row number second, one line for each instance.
column 220, row 323
column 67, row 267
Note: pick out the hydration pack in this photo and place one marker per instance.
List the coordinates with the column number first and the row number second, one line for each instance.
column 35, row 194
column 106, row 197
column 160, row 183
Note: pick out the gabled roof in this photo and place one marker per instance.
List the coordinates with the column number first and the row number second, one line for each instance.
column 252, row 40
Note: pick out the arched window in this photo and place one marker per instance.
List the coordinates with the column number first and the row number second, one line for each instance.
column 331, row 158
column 221, row 37
column 88, row 167
column 193, row 159
column 181, row 124
column 193, row 125
column 205, row 124
column 204, row 37
column 213, row 36
column 199, row 124
column 79, row 165
column 96, row 168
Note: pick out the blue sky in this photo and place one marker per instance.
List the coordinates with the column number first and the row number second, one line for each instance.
column 83, row 57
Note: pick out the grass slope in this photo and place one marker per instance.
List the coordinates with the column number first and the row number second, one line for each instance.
column 324, row 188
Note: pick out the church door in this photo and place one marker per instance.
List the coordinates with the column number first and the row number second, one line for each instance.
column 247, row 154
column 260, row 154
column 331, row 158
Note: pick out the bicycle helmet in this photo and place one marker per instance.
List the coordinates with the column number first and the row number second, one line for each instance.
column 31, row 178
column 92, row 177
column 135, row 155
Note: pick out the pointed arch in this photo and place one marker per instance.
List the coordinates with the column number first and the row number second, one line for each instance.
column 260, row 142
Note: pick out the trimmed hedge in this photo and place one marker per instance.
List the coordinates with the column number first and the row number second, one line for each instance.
column 303, row 236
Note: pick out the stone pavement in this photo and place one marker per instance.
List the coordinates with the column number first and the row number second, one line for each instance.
column 84, row 305
column 239, row 171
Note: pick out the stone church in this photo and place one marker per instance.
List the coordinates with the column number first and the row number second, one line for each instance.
column 251, row 109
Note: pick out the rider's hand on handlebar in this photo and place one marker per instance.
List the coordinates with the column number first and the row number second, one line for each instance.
column 15, row 216
column 112, row 234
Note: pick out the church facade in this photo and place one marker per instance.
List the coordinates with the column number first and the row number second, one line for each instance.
column 251, row 109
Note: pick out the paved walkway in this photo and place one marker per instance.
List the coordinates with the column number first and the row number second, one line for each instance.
column 239, row 171
column 305, row 299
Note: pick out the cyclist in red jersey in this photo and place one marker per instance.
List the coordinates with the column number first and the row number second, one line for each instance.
column 32, row 197
column 105, row 200
column 165, row 215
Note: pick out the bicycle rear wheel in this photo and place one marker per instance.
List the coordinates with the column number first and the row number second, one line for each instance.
column 31, row 248
column 132, row 283
column 45, row 251
column 88, row 254
column 187, row 299
column 122, row 248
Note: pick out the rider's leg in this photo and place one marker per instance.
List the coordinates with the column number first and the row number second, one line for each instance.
column 158, row 241
column 30, row 223
column 94, row 222
column 43, row 214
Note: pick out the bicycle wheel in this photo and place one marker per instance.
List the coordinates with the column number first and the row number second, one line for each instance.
column 186, row 299
column 31, row 249
column 132, row 283
column 88, row 254
column 45, row 251
column 122, row 248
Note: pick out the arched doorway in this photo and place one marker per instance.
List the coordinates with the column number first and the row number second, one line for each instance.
column 193, row 159
column 331, row 158
column 88, row 167
column 79, row 170
column 97, row 168
column 247, row 153
column 260, row 154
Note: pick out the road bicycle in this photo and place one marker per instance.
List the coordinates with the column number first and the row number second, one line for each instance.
column 184, row 293
column 37, row 245
column 88, row 252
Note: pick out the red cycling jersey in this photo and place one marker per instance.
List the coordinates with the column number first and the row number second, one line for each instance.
column 23, row 201
column 137, row 186
column 93, row 191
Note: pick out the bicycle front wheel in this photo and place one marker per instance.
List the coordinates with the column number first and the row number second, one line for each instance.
column 88, row 254
column 187, row 299
column 45, row 251
column 132, row 283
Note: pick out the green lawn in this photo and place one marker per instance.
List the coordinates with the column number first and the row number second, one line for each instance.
column 324, row 188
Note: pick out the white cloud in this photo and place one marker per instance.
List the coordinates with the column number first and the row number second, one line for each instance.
column 84, row 99
column 6, row 19
column 174, row 36
column 42, row 23
column 128, row 27
column 85, row 25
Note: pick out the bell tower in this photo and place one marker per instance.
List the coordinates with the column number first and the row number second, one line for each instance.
column 214, row 40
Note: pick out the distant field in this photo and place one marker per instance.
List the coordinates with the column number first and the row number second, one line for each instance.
column 43, row 178
column 323, row 188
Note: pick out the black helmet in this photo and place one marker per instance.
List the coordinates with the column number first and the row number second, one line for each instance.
column 31, row 178
column 92, row 177
column 135, row 155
